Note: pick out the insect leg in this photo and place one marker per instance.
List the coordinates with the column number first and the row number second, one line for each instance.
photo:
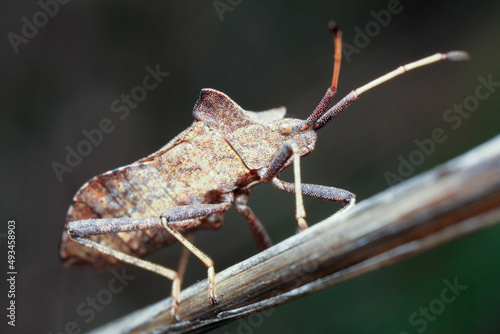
column 183, row 260
column 163, row 271
column 288, row 150
column 175, row 216
column 184, row 216
column 258, row 231
column 319, row 191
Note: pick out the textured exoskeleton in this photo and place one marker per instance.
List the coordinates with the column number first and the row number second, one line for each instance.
column 126, row 214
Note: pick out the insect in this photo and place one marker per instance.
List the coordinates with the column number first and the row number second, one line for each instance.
column 125, row 214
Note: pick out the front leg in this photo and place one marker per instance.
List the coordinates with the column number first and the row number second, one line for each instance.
column 288, row 150
column 319, row 191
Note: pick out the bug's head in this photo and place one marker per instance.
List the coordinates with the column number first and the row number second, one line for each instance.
column 281, row 131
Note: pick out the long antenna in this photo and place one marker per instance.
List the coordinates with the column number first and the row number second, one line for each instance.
column 353, row 95
column 330, row 92
column 337, row 53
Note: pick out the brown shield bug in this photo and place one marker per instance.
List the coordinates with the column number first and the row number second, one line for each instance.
column 125, row 214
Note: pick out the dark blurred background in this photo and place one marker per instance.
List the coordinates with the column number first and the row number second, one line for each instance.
column 63, row 79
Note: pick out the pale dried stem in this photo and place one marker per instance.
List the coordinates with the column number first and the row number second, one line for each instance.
column 446, row 203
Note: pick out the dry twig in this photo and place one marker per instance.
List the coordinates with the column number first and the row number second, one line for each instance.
column 448, row 202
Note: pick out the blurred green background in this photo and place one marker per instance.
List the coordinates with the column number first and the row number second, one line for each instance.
column 262, row 54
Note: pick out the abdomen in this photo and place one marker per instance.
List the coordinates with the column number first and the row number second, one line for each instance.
column 198, row 166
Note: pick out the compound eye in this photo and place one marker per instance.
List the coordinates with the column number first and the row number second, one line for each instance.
column 284, row 127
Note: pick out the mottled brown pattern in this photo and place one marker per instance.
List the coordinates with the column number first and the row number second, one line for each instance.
column 187, row 178
column 219, row 161
column 190, row 133
column 255, row 139
column 218, row 155
column 184, row 171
